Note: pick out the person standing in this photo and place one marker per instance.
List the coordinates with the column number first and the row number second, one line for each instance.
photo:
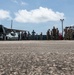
column 41, row 36
column 33, row 35
column 48, row 35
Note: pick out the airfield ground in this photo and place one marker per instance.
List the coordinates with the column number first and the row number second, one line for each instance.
column 37, row 57
column 36, row 46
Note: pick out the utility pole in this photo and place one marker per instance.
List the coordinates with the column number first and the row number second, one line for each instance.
column 62, row 25
column 11, row 23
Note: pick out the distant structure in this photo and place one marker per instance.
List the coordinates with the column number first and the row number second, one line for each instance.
column 5, row 31
column 62, row 25
column 11, row 24
column 26, row 35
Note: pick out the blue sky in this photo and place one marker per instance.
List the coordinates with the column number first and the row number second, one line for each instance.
column 39, row 15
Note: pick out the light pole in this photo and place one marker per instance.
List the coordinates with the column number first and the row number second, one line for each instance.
column 62, row 25
column 11, row 23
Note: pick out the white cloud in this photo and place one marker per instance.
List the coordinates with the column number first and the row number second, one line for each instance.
column 38, row 15
column 4, row 14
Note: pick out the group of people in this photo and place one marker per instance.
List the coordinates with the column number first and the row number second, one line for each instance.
column 29, row 36
column 54, row 34
column 69, row 33
column 50, row 35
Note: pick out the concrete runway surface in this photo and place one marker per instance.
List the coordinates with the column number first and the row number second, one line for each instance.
column 36, row 46
column 37, row 57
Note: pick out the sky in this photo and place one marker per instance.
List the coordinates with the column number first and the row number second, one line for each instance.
column 38, row 15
